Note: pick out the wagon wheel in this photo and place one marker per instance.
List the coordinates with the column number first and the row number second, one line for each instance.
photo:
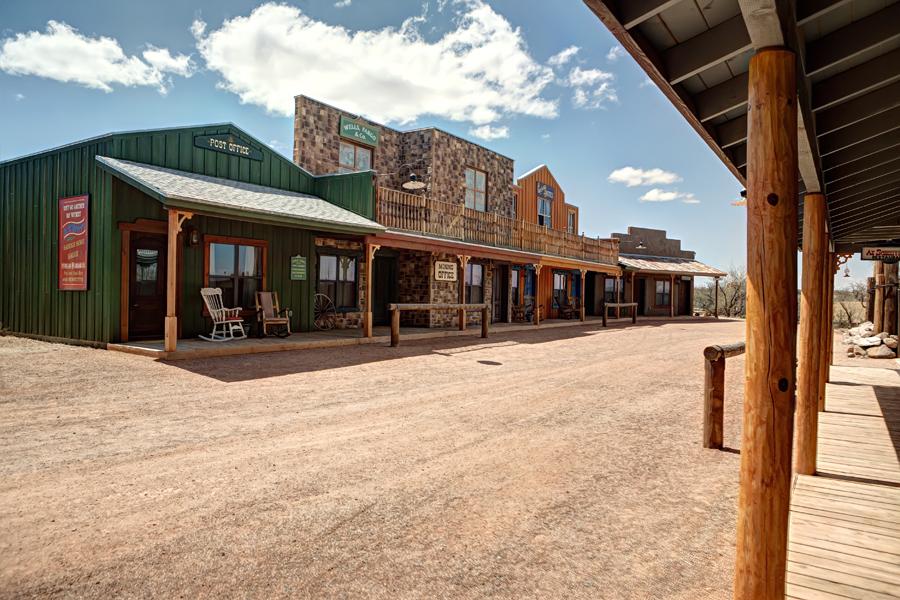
column 324, row 312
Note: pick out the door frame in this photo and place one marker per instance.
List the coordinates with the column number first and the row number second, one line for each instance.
column 141, row 226
column 393, row 283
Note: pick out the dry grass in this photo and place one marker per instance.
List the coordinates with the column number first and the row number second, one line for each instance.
column 559, row 463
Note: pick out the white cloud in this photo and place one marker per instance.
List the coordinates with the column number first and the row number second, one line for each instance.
column 64, row 54
column 564, row 56
column 615, row 53
column 343, row 3
column 633, row 177
column 489, row 132
column 479, row 71
column 19, row 97
column 545, row 136
column 659, row 195
column 593, row 87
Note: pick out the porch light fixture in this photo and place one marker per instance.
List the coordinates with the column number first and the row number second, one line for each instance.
column 846, row 271
column 640, row 245
column 413, row 183
column 193, row 236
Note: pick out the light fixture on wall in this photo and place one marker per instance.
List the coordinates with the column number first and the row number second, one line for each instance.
column 640, row 245
column 846, row 271
column 193, row 236
column 413, row 183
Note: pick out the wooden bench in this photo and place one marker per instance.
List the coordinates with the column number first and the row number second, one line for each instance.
column 461, row 309
column 619, row 306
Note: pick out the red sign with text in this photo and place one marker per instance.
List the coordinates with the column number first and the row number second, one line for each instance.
column 73, row 243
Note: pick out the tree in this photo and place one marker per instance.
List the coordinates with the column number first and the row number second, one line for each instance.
column 732, row 294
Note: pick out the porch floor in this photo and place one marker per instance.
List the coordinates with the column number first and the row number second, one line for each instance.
column 844, row 537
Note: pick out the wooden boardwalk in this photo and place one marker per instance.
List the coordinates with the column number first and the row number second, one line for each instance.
column 845, row 521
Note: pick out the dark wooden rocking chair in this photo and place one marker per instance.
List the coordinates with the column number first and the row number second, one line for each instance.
column 567, row 308
column 270, row 315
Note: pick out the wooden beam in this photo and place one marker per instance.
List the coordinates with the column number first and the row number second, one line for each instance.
column 461, row 314
column 721, row 98
column 858, row 109
column 732, row 132
column 671, row 296
column 860, row 132
column 714, row 403
column 581, row 304
column 761, row 552
column 862, row 165
column 537, row 294
column 889, row 168
column 807, row 10
column 809, row 349
column 825, row 331
column 879, row 296
column 635, row 12
column 841, row 211
column 854, row 39
column 868, row 218
column 891, row 139
column 708, row 49
column 855, row 81
column 866, row 190
column 171, row 321
column 368, row 325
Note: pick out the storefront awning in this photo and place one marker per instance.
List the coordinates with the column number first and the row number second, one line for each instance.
column 668, row 265
column 236, row 200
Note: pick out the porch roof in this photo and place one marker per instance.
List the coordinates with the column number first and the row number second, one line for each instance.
column 235, row 199
column 668, row 265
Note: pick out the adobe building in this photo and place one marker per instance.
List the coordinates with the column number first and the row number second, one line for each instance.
column 458, row 229
column 657, row 274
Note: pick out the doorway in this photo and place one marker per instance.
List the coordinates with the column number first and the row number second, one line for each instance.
column 684, row 297
column 500, row 294
column 146, row 286
column 384, row 288
column 641, row 295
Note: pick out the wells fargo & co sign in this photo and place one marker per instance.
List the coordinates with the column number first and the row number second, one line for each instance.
column 228, row 144
column 359, row 131
column 73, row 243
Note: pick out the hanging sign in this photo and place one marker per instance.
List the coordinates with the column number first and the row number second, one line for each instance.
column 545, row 191
column 73, row 243
column 444, row 271
column 298, row 268
column 883, row 253
column 359, row 131
column 228, row 144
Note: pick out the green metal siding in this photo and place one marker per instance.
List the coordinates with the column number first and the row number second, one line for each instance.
column 31, row 186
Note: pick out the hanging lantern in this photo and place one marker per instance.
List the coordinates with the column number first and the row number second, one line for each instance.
column 846, row 271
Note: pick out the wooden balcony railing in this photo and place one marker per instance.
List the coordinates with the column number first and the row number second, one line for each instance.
column 420, row 214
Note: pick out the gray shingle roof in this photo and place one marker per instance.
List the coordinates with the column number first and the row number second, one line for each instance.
column 227, row 194
column 666, row 264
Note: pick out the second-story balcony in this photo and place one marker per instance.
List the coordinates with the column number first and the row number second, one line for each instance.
column 420, row 214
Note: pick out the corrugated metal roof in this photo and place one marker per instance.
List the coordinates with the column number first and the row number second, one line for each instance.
column 666, row 264
column 171, row 186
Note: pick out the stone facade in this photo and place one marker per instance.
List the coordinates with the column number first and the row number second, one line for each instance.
column 448, row 292
column 413, row 274
column 655, row 240
column 349, row 319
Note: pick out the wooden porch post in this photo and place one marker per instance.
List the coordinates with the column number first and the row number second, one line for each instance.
column 769, row 381
column 371, row 249
column 631, row 299
column 879, row 297
column 583, row 273
column 537, row 294
column 603, row 303
column 509, row 303
column 812, row 312
column 176, row 218
column 461, row 314
column 716, row 294
column 671, row 295
column 619, row 285
column 890, row 298
column 828, row 342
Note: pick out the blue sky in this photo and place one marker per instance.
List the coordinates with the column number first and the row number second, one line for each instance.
column 472, row 67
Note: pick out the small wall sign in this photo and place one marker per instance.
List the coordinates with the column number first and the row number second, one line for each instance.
column 882, row 253
column 444, row 271
column 73, row 243
column 228, row 144
column 359, row 131
column 298, row 268
column 545, row 191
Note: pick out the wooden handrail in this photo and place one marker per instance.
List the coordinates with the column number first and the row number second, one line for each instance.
column 460, row 308
column 714, row 391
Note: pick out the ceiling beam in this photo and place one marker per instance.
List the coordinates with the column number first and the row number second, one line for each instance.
column 858, row 109
column 807, row 10
column 634, row 12
column 862, row 165
column 872, row 187
column 889, row 168
column 857, row 80
column 732, row 132
column 854, row 39
column 712, row 47
column 891, row 139
column 872, row 216
column 861, row 132
column 719, row 99
column 861, row 202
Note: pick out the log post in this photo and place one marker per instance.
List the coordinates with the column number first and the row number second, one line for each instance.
column 714, row 403
column 870, row 302
column 829, row 323
column 175, row 220
column 537, row 294
column 890, row 298
column 582, row 312
column 485, row 320
column 631, row 296
column 879, row 297
column 769, row 381
column 716, row 293
column 671, row 296
column 603, row 303
column 461, row 314
column 810, row 350
column 371, row 249
column 619, row 286
column 395, row 327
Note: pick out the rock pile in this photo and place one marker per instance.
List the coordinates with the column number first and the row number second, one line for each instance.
column 862, row 341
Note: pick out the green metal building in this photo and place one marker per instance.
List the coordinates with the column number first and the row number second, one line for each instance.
column 243, row 201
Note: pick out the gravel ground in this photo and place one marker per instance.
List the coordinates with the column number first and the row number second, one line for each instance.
column 556, row 463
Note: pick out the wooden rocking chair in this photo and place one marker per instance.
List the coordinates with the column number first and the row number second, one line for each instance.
column 227, row 322
column 567, row 308
column 270, row 315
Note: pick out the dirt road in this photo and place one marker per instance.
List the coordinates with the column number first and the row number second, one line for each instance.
column 559, row 463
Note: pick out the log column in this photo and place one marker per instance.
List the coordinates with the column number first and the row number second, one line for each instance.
column 371, row 249
column 583, row 273
column 812, row 313
column 769, row 382
column 176, row 219
column 831, row 260
column 537, row 294
column 879, row 297
column 890, row 298
column 671, row 296
column 461, row 314
column 716, row 293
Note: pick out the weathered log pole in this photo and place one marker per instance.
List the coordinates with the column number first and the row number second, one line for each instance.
column 890, row 298
column 485, row 321
column 395, row 327
column 812, row 313
column 825, row 333
column 830, row 322
column 714, row 392
column 870, row 302
column 764, row 498
column 878, row 314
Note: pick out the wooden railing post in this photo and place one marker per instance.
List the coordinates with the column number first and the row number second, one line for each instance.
column 714, row 403
column 395, row 327
column 485, row 322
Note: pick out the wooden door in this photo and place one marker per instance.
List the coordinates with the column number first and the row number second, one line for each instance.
column 146, row 286
column 500, row 293
column 641, row 295
column 684, row 297
column 384, row 288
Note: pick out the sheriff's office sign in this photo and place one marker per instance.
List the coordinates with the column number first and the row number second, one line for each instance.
column 73, row 243
column 882, row 253
column 444, row 271
column 359, row 131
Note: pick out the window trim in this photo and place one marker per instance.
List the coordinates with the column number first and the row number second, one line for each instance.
column 469, row 285
column 356, row 148
column 475, row 189
column 571, row 221
column 548, row 218
column 565, row 289
column 655, row 293
column 355, row 254
column 237, row 241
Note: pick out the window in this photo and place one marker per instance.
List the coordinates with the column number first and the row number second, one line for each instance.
column 146, row 272
column 337, row 280
column 474, row 283
column 560, row 288
column 354, row 158
column 515, row 287
column 238, row 267
column 570, row 226
column 544, row 212
column 476, row 189
column 663, row 292
column 609, row 290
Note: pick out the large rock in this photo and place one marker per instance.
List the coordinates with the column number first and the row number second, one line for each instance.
column 891, row 343
column 865, row 326
column 880, row 352
column 882, row 335
column 869, row 342
column 859, row 351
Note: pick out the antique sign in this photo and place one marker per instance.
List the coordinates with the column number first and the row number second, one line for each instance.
column 444, row 271
column 359, row 131
column 545, row 191
column 228, row 144
column 298, row 268
column 73, row 243
column 882, row 253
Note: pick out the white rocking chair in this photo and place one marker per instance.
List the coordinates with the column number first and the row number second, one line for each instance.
column 227, row 322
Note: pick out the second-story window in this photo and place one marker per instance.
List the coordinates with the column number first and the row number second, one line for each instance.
column 545, row 218
column 476, row 189
column 570, row 226
column 354, row 158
